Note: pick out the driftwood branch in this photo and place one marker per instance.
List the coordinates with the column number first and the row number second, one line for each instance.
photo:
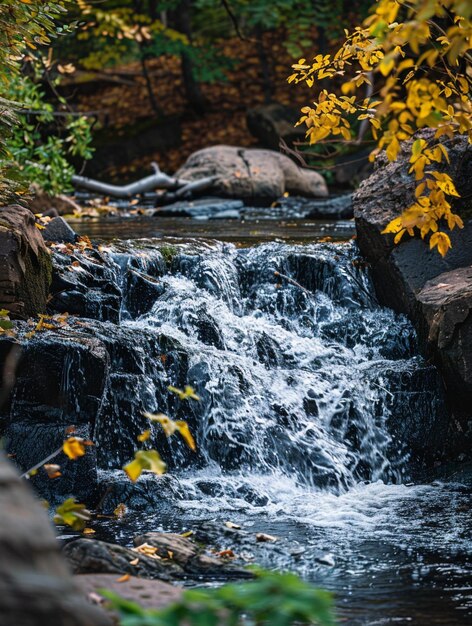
column 176, row 188
column 158, row 180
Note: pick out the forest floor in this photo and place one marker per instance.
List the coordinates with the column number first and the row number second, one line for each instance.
column 121, row 99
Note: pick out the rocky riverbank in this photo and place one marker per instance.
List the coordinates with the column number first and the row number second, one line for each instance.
column 435, row 292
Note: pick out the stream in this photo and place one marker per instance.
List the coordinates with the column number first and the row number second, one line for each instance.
column 316, row 417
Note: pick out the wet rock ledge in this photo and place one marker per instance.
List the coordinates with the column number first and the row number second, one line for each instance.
column 435, row 293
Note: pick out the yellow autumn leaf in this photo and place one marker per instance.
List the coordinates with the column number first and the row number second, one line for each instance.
column 184, row 430
column 144, row 436
column 441, row 241
column 74, row 447
column 73, row 514
column 187, row 394
column 145, row 460
column 170, row 427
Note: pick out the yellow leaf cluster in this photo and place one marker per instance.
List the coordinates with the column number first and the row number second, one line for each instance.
column 416, row 56
column 144, row 460
column 170, row 427
column 74, row 447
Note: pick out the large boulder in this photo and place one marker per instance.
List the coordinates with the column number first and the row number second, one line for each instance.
column 35, row 584
column 25, row 264
column 255, row 176
column 410, row 278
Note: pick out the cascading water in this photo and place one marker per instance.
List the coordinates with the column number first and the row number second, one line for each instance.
column 315, row 412
column 300, row 372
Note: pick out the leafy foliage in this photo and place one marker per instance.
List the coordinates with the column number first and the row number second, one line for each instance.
column 277, row 599
column 419, row 50
column 149, row 460
column 28, row 148
column 73, row 514
column 170, row 427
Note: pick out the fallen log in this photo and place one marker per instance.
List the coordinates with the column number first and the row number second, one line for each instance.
column 158, row 180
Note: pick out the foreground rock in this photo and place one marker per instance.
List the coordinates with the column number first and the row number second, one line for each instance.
column 149, row 594
column 161, row 556
column 255, row 176
column 412, row 279
column 25, row 264
column 35, row 585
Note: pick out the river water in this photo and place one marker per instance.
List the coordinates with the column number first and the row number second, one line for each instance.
column 315, row 419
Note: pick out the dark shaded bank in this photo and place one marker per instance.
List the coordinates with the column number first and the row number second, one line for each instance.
column 435, row 293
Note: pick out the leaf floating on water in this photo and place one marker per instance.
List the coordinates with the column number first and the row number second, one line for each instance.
column 73, row 514
column 170, row 427
column 263, row 537
column 189, row 533
column 144, row 460
column 88, row 531
column 187, row 394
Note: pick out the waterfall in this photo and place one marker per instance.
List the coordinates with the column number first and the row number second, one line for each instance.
column 300, row 372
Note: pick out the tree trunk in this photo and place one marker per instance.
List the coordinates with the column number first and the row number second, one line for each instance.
column 192, row 89
column 267, row 82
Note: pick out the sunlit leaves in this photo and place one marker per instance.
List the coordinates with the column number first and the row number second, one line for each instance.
column 144, row 460
column 441, row 241
column 5, row 323
column 170, row 427
column 74, row 447
column 73, row 514
column 421, row 66
column 187, row 394
column 144, row 436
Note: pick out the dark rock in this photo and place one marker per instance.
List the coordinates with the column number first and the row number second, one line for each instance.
column 338, row 207
column 52, row 206
column 201, row 208
column 31, row 443
column 35, row 584
column 86, row 285
column 175, row 558
column 149, row 594
column 410, row 278
column 59, row 231
column 446, row 306
column 189, row 555
column 60, row 379
column 146, row 493
column 255, row 176
column 25, row 264
column 89, row 556
column 141, row 292
column 270, row 123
